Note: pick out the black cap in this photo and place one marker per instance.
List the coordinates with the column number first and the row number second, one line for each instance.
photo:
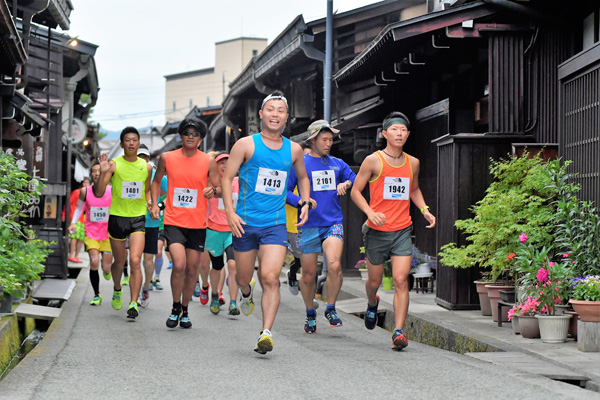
column 193, row 122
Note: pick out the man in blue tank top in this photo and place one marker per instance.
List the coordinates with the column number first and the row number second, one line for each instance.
column 264, row 161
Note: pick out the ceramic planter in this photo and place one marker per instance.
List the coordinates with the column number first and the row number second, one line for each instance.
column 560, row 309
column 554, row 328
column 484, row 300
column 530, row 327
column 364, row 274
column 388, row 283
column 507, row 295
column 516, row 326
column 494, row 295
column 589, row 311
column 573, row 324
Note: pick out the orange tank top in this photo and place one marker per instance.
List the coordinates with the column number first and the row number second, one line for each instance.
column 390, row 194
column 186, row 205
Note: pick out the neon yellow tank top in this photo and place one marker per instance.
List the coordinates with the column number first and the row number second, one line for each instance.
column 129, row 188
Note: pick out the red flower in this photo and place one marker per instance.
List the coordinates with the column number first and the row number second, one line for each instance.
column 511, row 255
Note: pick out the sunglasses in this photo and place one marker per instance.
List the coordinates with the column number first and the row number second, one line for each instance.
column 188, row 133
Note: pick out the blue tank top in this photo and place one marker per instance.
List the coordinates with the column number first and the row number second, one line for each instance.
column 263, row 184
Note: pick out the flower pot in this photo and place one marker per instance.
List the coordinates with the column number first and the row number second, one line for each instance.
column 589, row 311
column 388, row 283
column 484, row 300
column 494, row 295
column 507, row 295
column 364, row 274
column 573, row 323
column 5, row 303
column 530, row 327
column 560, row 309
column 554, row 328
column 423, row 268
column 516, row 326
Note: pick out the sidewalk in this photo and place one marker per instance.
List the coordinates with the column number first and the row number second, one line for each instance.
column 464, row 330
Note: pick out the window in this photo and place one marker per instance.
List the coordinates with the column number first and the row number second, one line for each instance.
column 207, row 101
column 191, row 104
column 174, row 107
column 254, row 53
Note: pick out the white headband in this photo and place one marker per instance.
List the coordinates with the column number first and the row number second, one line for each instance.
column 274, row 97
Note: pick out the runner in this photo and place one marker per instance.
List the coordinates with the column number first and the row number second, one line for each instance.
column 330, row 178
column 131, row 188
column 393, row 178
column 162, row 242
column 218, row 241
column 151, row 242
column 264, row 161
column 188, row 170
column 78, row 235
column 96, row 230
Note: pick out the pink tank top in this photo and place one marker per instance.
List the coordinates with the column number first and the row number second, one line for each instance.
column 96, row 214
column 217, row 219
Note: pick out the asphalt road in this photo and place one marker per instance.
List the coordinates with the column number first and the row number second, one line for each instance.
column 96, row 352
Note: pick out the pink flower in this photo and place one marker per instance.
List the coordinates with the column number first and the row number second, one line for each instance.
column 565, row 255
column 551, row 264
column 523, row 238
column 542, row 275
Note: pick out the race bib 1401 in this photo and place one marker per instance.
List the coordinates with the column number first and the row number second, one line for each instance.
column 131, row 190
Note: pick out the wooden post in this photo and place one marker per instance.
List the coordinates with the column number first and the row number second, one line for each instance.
column 588, row 336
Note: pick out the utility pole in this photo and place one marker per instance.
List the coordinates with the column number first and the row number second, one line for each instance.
column 328, row 62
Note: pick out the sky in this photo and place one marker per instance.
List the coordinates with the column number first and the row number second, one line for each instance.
column 140, row 41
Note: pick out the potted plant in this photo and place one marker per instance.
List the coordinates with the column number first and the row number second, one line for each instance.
column 551, row 289
column 387, row 280
column 361, row 265
column 518, row 200
column 586, row 298
column 525, row 312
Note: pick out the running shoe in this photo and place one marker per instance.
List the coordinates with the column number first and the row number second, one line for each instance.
column 310, row 325
column 264, row 344
column 184, row 321
column 221, row 299
column 173, row 319
column 399, row 341
column 170, row 266
column 72, row 259
column 333, row 318
column 117, row 299
column 197, row 290
column 233, row 309
column 371, row 315
column 157, row 285
column 106, row 276
column 292, row 284
column 132, row 311
column 215, row 307
column 247, row 303
column 144, row 298
column 204, row 295
column 125, row 281
column 96, row 301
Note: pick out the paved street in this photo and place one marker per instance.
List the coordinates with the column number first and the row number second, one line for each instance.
column 95, row 352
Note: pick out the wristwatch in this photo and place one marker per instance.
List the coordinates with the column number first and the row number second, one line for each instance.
column 215, row 190
column 305, row 203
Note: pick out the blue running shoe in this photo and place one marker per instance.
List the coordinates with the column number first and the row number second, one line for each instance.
column 310, row 325
column 197, row 290
column 333, row 318
column 371, row 315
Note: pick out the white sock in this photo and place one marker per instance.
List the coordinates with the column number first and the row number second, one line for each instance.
column 267, row 332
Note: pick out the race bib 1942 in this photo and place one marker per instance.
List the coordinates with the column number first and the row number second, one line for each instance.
column 323, row 180
column 98, row 214
column 270, row 181
column 185, row 198
column 395, row 188
column 131, row 190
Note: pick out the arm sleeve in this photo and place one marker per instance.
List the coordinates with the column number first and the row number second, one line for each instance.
column 348, row 174
column 291, row 198
column 78, row 212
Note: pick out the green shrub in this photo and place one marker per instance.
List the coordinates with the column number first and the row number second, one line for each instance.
column 22, row 254
column 519, row 200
